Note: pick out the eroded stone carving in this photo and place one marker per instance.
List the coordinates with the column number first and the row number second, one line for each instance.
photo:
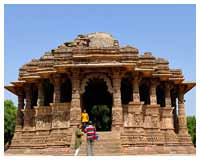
column 88, row 77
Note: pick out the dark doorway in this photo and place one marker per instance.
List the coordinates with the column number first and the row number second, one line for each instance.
column 98, row 103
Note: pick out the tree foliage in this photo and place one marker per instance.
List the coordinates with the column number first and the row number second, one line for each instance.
column 10, row 111
column 101, row 114
column 191, row 125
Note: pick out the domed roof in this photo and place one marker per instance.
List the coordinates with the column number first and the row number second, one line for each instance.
column 100, row 40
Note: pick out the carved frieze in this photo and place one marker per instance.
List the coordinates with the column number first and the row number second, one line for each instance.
column 141, row 139
column 43, row 122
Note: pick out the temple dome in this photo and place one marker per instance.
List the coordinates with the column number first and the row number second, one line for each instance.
column 100, row 39
column 97, row 40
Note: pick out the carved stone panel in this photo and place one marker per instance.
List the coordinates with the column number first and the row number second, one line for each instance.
column 117, row 116
column 29, row 118
column 137, row 119
column 43, row 122
column 155, row 121
column 147, row 121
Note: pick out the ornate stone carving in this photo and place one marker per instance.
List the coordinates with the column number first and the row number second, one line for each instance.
column 88, row 77
column 116, row 116
column 40, row 122
column 155, row 121
column 57, row 121
column 137, row 119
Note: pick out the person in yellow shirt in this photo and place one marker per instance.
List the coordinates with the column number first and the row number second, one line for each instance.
column 84, row 119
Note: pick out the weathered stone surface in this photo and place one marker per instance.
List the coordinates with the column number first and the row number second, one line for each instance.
column 144, row 121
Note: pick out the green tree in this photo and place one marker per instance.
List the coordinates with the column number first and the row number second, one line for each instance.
column 10, row 111
column 191, row 125
column 101, row 116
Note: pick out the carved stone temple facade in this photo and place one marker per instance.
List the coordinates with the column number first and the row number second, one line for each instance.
column 145, row 96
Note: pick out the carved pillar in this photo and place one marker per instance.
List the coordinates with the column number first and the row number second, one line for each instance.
column 136, row 93
column 19, row 118
column 135, row 114
column 167, row 95
column 181, row 112
column 117, row 105
column 75, row 112
column 167, row 118
column 57, row 83
column 28, row 93
column 40, row 100
column 28, row 112
column 152, row 111
column 153, row 98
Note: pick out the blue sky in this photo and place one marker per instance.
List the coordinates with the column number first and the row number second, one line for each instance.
column 168, row 31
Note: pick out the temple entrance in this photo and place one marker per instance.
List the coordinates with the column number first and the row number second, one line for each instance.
column 98, row 103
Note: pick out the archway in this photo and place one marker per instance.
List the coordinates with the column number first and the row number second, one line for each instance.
column 97, row 101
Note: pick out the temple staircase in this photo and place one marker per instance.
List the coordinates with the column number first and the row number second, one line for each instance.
column 108, row 144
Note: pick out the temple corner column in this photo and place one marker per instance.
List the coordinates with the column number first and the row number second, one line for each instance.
column 183, row 135
column 182, row 122
column 29, row 113
column 19, row 116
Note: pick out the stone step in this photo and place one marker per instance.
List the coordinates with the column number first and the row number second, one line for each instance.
column 102, row 147
column 109, row 143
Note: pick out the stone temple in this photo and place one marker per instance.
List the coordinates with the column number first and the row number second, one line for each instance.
column 145, row 98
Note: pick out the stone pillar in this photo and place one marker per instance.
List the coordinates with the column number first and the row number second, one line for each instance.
column 40, row 100
column 175, row 118
column 153, row 97
column 167, row 95
column 181, row 112
column 57, row 83
column 28, row 111
column 117, row 104
column 19, row 118
column 134, row 109
column 28, row 93
column 75, row 112
column 136, row 92
column 152, row 111
column 167, row 120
